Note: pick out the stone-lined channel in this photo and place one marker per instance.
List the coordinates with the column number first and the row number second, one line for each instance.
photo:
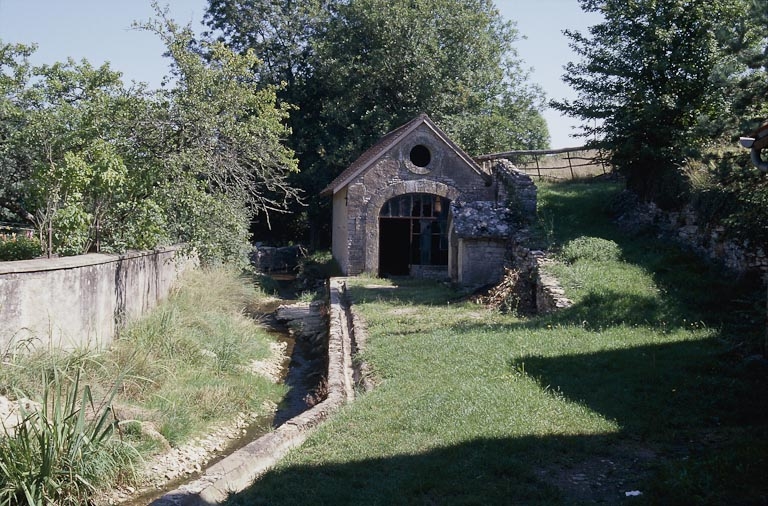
column 302, row 330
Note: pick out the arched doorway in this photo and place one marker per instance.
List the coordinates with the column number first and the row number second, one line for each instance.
column 413, row 230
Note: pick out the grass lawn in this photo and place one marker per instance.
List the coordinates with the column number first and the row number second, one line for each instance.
column 640, row 386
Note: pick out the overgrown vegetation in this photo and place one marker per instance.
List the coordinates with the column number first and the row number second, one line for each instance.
column 726, row 191
column 181, row 369
column 64, row 450
column 94, row 164
column 642, row 386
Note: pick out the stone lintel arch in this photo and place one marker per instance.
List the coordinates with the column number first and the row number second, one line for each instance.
column 380, row 197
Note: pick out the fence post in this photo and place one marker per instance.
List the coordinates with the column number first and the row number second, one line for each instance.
column 568, row 154
column 538, row 170
column 602, row 160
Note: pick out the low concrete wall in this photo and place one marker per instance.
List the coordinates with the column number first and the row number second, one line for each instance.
column 81, row 301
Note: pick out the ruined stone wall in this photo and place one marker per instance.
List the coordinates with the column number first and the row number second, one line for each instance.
column 516, row 189
column 709, row 242
column 82, row 301
column 540, row 293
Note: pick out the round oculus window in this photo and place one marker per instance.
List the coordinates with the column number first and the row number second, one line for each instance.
column 420, row 155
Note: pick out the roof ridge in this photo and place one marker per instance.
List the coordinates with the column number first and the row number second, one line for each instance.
column 387, row 141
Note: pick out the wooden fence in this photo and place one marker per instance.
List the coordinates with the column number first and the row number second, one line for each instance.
column 564, row 163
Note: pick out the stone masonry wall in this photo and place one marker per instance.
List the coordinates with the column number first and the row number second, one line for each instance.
column 447, row 176
column 517, row 190
column 683, row 227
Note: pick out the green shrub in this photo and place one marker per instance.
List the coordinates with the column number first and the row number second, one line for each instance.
column 316, row 268
column 591, row 248
column 63, row 451
column 19, row 247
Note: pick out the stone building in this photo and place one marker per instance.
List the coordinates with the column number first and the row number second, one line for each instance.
column 416, row 204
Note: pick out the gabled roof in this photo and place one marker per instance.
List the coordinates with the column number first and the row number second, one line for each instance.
column 387, row 142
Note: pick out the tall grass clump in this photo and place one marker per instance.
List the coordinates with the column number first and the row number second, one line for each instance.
column 65, row 449
column 595, row 249
column 189, row 359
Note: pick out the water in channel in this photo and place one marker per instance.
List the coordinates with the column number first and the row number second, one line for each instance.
column 302, row 371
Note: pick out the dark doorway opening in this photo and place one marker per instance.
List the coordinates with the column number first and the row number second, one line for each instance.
column 394, row 254
column 413, row 230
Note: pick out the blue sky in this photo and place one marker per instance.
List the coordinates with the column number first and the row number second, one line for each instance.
column 100, row 30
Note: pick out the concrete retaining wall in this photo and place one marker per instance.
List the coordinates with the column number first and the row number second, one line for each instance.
column 81, row 301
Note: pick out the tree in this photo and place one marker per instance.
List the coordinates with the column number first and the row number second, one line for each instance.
column 380, row 63
column 14, row 166
column 226, row 130
column 279, row 32
column 101, row 166
column 651, row 76
column 357, row 69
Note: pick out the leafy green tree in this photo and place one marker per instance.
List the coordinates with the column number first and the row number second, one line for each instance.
column 97, row 165
column 279, row 33
column 652, row 79
column 380, row 63
column 225, row 135
column 15, row 72
column 745, row 71
column 356, row 69
column 77, row 168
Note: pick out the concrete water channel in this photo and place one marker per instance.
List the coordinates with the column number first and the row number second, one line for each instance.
column 320, row 343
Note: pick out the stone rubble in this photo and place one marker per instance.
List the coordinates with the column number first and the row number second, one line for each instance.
column 480, row 219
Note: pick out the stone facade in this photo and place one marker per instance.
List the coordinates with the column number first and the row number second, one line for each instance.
column 418, row 159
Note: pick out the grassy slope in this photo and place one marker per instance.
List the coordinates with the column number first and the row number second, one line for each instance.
column 634, row 388
column 184, row 366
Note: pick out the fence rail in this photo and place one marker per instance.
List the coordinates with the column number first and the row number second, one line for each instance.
column 563, row 163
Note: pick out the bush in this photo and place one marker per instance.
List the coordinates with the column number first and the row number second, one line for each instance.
column 19, row 247
column 315, row 269
column 61, row 452
column 591, row 248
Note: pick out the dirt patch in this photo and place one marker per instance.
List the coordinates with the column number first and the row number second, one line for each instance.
column 615, row 474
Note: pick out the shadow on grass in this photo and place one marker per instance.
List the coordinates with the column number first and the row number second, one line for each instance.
column 484, row 471
column 690, row 433
column 662, row 392
column 565, row 470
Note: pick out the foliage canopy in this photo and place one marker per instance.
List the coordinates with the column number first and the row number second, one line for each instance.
column 95, row 164
column 357, row 69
